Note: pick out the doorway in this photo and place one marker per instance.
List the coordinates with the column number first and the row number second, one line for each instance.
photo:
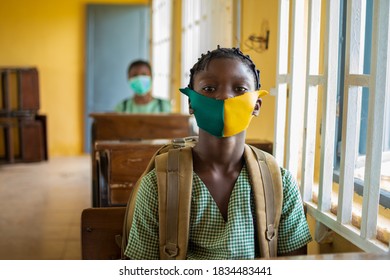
column 116, row 35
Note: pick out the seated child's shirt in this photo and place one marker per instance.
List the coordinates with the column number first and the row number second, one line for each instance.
column 157, row 105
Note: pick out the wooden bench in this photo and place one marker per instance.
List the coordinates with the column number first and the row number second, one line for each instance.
column 133, row 127
column 119, row 165
column 99, row 228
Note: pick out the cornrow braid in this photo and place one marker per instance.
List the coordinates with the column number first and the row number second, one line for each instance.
column 234, row 53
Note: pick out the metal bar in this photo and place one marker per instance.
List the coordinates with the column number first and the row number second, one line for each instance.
column 357, row 80
column 311, row 99
column 378, row 89
column 283, row 79
column 315, row 80
column 351, row 112
column 298, row 80
column 281, row 73
column 328, row 132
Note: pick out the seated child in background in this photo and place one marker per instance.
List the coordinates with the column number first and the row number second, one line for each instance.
column 140, row 81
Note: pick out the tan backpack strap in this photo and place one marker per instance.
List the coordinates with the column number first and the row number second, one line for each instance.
column 269, row 199
column 174, row 177
column 181, row 175
column 266, row 180
column 128, row 219
column 171, row 249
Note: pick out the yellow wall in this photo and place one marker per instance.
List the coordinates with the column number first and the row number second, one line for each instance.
column 253, row 14
column 51, row 36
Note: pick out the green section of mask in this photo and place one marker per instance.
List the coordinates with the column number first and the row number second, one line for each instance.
column 223, row 118
column 208, row 112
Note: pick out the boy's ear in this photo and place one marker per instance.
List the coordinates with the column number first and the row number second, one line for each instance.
column 256, row 110
column 190, row 110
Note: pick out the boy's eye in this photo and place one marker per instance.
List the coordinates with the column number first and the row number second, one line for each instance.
column 208, row 89
column 241, row 89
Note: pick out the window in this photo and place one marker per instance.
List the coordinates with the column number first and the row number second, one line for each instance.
column 332, row 113
column 363, row 114
column 161, row 47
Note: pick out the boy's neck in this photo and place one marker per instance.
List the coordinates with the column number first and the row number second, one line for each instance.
column 222, row 152
column 143, row 99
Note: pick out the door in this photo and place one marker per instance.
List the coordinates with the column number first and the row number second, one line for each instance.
column 116, row 35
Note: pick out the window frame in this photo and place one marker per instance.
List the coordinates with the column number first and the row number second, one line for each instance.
column 384, row 199
column 333, row 207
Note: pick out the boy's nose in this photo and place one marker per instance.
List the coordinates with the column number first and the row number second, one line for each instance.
column 224, row 94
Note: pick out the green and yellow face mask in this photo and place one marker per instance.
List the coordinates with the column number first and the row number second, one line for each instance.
column 223, row 118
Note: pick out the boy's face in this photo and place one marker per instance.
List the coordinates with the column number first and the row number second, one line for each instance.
column 224, row 78
column 139, row 70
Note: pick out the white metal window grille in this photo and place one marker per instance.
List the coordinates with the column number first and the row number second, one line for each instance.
column 205, row 24
column 161, row 47
column 299, row 77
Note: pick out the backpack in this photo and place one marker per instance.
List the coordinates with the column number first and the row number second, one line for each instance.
column 173, row 164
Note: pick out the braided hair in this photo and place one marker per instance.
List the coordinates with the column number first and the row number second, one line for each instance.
column 233, row 53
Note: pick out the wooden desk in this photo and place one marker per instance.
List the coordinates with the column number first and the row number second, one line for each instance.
column 115, row 126
column 133, row 127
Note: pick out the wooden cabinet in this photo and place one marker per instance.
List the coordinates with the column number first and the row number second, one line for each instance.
column 20, row 89
column 22, row 129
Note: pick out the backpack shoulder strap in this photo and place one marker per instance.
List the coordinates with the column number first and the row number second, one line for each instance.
column 173, row 163
column 174, row 179
column 160, row 105
column 267, row 188
column 124, row 105
column 128, row 219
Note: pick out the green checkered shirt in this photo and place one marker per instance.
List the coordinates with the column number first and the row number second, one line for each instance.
column 210, row 237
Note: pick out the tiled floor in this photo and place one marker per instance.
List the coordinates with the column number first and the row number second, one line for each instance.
column 40, row 208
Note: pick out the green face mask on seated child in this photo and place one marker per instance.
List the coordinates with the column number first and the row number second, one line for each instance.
column 141, row 84
column 223, row 118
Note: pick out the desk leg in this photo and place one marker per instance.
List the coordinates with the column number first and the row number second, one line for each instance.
column 95, row 187
column 9, row 144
